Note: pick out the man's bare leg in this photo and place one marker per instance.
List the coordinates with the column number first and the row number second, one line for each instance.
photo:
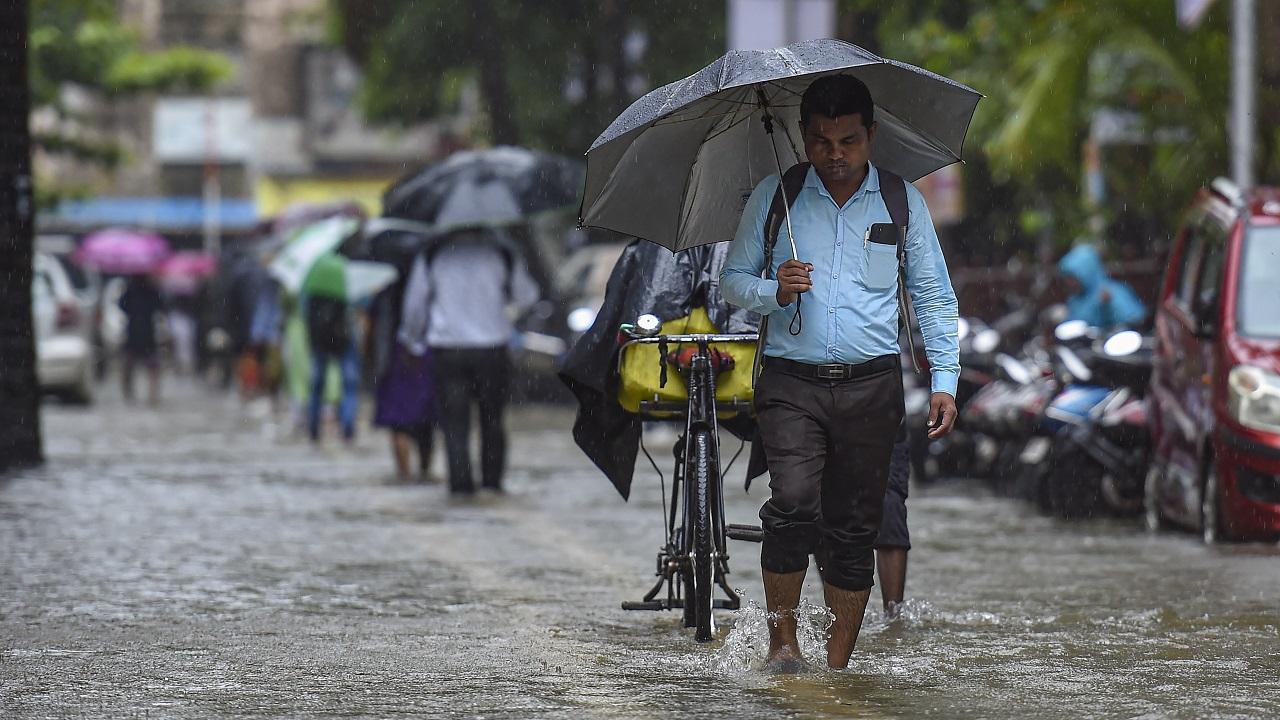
column 892, row 566
column 782, row 597
column 848, row 607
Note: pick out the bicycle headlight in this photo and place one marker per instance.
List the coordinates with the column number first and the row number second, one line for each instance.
column 1253, row 398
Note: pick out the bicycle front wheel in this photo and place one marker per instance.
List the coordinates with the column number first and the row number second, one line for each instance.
column 701, row 556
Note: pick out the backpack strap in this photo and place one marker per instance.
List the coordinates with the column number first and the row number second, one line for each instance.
column 893, row 190
column 783, row 198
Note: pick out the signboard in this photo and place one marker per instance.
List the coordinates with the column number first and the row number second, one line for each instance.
column 195, row 130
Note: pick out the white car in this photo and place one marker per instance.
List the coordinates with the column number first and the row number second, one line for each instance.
column 63, row 327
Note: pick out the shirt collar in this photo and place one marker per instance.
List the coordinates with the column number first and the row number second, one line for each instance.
column 871, row 183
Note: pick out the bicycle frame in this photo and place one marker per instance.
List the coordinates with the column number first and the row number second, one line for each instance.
column 700, row 413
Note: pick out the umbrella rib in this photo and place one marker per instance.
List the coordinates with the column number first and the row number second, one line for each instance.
column 729, row 127
column 933, row 141
column 783, row 88
column 706, row 115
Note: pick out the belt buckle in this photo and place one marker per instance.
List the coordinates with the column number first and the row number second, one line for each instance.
column 832, row 372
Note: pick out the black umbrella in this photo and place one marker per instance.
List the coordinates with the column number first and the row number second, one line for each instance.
column 497, row 186
column 676, row 167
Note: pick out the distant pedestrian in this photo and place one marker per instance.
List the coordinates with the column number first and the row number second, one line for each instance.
column 183, row 310
column 405, row 391
column 893, row 541
column 456, row 307
column 1095, row 297
column 141, row 302
column 266, row 326
column 331, row 331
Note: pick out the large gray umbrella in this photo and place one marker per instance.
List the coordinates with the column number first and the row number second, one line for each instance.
column 677, row 166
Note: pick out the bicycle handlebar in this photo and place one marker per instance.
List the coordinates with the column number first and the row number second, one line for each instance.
column 696, row 337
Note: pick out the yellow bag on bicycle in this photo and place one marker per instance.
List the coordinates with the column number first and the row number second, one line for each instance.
column 640, row 375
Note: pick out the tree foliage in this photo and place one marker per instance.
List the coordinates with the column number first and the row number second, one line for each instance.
column 82, row 44
column 549, row 74
column 1047, row 68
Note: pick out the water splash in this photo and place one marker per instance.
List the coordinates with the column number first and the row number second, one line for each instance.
column 745, row 647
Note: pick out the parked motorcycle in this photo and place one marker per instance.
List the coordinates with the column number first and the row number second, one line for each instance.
column 953, row 455
column 1097, row 425
column 970, row 449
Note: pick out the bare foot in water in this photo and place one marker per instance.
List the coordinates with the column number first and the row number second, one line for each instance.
column 786, row 660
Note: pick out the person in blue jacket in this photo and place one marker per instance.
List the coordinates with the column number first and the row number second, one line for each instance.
column 1096, row 298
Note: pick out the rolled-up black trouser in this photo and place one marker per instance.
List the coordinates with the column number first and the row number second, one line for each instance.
column 828, row 444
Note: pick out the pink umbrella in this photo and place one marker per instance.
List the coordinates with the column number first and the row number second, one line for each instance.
column 117, row 250
column 182, row 272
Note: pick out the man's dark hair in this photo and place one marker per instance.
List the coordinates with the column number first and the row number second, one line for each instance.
column 836, row 95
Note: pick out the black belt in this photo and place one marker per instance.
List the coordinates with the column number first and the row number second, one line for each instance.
column 833, row 371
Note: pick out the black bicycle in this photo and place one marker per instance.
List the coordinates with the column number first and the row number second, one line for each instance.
column 694, row 558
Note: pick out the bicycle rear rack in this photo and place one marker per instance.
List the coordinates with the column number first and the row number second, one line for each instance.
column 666, row 573
column 679, row 408
column 746, row 533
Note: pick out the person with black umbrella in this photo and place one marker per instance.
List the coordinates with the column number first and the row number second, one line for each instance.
column 458, row 305
column 829, row 400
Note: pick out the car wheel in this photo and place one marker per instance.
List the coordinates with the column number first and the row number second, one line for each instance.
column 1210, row 508
column 1151, row 499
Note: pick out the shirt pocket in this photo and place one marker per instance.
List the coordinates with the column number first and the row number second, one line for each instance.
column 879, row 266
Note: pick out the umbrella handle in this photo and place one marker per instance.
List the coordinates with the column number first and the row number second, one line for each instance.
column 797, row 321
column 777, row 159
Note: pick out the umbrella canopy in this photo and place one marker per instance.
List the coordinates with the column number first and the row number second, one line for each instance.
column 182, row 272
column 677, row 166
column 118, row 250
column 351, row 280
column 294, row 261
column 497, row 186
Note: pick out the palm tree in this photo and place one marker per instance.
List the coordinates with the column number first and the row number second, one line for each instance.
column 1130, row 57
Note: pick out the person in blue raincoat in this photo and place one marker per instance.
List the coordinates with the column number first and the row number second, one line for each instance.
column 1095, row 297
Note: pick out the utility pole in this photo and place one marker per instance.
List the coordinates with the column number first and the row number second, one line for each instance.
column 1243, row 90
column 19, row 390
column 212, row 200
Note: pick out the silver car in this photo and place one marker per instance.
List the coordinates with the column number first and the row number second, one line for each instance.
column 63, row 329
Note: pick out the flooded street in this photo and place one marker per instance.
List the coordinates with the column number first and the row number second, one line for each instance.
column 195, row 561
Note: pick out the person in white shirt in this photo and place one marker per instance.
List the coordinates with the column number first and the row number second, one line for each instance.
column 461, row 296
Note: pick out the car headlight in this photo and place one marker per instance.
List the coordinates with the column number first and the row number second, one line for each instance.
column 1253, row 398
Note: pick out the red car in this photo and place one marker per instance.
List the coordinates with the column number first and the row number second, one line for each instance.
column 1215, row 392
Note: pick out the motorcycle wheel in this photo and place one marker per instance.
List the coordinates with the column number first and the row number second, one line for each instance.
column 1075, row 483
column 1004, row 472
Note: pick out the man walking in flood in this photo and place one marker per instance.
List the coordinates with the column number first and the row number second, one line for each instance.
column 829, row 399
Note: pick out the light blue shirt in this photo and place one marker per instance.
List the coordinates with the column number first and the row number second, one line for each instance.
column 850, row 315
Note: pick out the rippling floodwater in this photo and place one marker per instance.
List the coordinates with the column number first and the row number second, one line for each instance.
column 194, row 561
